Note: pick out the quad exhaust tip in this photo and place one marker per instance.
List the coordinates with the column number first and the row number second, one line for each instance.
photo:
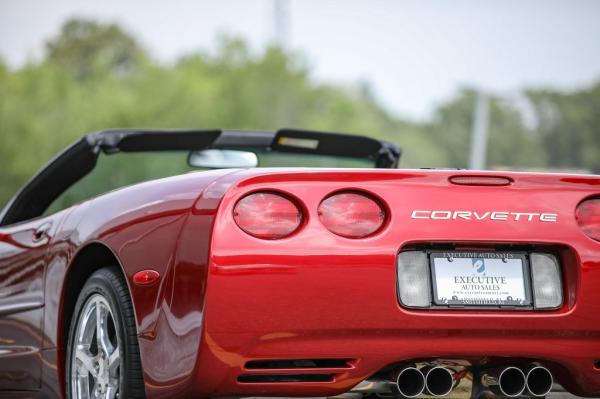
column 410, row 382
column 539, row 381
column 508, row 381
column 439, row 381
column 512, row 382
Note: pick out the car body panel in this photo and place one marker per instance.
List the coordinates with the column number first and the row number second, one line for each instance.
column 141, row 226
column 318, row 295
column 23, row 251
column 226, row 298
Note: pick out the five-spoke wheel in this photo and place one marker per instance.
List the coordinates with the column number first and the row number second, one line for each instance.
column 95, row 361
column 102, row 350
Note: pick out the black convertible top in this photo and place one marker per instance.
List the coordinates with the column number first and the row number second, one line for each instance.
column 80, row 158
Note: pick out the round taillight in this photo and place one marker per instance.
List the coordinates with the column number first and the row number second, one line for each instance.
column 351, row 214
column 588, row 218
column 267, row 215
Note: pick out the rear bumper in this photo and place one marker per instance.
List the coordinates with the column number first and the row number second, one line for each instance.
column 371, row 351
column 346, row 307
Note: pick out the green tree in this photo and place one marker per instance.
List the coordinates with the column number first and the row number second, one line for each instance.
column 510, row 143
column 569, row 127
column 86, row 47
column 96, row 76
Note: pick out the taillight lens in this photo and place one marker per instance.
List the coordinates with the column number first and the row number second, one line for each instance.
column 267, row 215
column 351, row 214
column 414, row 287
column 588, row 218
column 547, row 285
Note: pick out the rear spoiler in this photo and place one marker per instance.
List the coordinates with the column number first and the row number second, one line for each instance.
column 385, row 154
column 80, row 158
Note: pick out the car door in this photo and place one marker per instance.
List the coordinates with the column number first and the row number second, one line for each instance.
column 23, row 250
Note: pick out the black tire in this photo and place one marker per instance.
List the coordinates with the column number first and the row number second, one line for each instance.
column 109, row 283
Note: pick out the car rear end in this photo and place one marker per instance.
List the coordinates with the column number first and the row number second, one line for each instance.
column 445, row 283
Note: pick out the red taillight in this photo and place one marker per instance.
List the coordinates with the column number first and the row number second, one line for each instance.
column 351, row 214
column 267, row 215
column 588, row 218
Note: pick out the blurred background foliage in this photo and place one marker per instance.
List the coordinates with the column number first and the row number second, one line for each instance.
column 96, row 76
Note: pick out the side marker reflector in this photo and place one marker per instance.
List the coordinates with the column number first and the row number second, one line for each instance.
column 146, row 277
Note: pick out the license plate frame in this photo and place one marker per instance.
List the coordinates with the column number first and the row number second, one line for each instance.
column 495, row 257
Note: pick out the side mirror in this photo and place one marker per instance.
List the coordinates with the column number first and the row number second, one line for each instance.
column 222, row 159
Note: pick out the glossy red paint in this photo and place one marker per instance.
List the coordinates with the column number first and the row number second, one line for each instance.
column 226, row 298
column 319, row 295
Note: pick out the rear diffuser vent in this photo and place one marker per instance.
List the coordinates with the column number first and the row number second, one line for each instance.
column 297, row 364
column 282, row 378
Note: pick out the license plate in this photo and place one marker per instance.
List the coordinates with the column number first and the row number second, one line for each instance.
column 465, row 278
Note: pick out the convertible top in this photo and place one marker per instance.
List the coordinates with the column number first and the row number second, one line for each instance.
column 80, row 158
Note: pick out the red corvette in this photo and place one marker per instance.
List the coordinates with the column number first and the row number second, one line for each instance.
column 241, row 281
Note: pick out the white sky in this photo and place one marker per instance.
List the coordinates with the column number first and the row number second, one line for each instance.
column 414, row 53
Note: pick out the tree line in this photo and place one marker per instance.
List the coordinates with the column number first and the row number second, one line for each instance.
column 95, row 76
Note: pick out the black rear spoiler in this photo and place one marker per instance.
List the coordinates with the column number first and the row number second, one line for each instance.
column 385, row 154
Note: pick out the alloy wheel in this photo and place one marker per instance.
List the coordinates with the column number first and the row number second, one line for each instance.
column 95, row 357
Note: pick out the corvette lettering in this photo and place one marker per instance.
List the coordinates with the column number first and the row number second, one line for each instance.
column 500, row 216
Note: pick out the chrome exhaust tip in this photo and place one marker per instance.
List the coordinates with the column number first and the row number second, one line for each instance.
column 539, row 381
column 410, row 382
column 439, row 381
column 509, row 381
column 512, row 382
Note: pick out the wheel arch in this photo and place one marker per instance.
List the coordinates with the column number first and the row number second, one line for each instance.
column 88, row 259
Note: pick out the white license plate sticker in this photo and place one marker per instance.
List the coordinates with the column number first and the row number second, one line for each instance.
column 480, row 279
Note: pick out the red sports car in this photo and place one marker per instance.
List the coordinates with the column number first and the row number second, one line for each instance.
column 350, row 277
